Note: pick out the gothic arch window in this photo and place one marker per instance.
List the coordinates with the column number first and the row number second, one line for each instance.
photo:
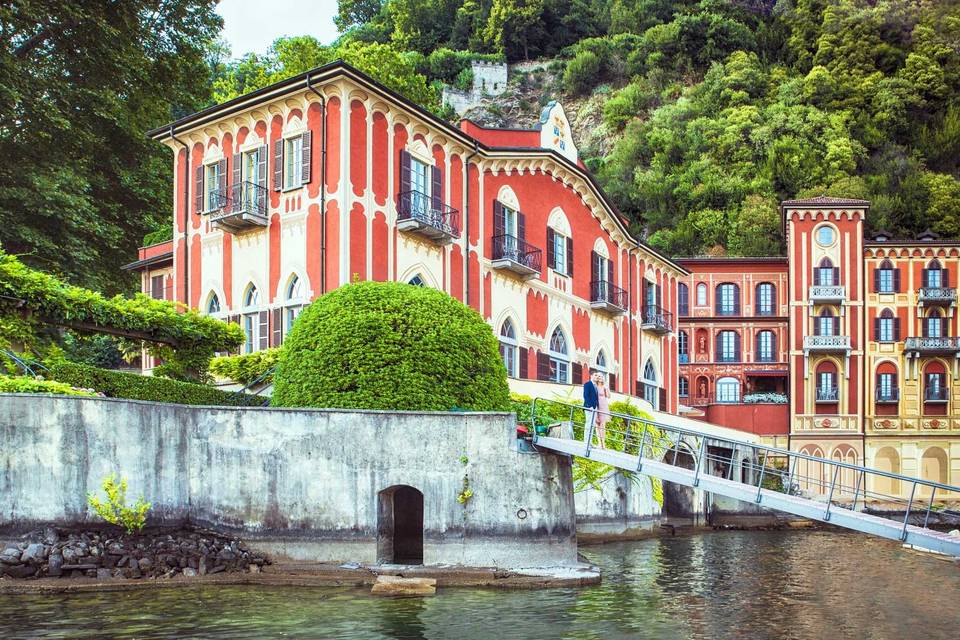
column 825, row 324
column 886, row 278
column 651, row 387
column 933, row 324
column 935, row 276
column 887, row 327
column 213, row 304
column 417, row 281
column 509, row 347
column 254, row 320
column 293, row 301
column 559, row 357
column 826, row 274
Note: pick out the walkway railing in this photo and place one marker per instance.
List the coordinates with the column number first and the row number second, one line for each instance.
column 837, row 491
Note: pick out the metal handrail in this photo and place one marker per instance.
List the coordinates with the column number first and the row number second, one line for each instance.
column 416, row 205
column 657, row 315
column 606, row 291
column 770, row 451
column 510, row 247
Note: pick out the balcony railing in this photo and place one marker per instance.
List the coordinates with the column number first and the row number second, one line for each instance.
column 888, row 396
column 932, row 346
column 828, row 394
column 827, row 293
column 418, row 212
column 242, row 206
column 656, row 319
column 938, row 296
column 826, row 344
column 935, row 394
column 607, row 296
column 513, row 254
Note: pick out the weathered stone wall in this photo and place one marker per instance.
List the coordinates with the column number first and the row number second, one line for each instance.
column 299, row 484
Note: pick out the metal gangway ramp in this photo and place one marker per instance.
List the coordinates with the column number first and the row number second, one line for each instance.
column 868, row 500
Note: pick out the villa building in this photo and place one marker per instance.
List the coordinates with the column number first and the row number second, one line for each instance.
column 329, row 177
column 846, row 347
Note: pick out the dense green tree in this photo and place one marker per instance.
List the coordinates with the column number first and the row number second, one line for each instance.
column 80, row 83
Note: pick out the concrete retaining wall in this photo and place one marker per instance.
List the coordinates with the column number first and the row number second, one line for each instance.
column 300, row 484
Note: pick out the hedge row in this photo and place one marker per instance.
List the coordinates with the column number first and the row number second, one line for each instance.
column 246, row 368
column 131, row 386
column 25, row 384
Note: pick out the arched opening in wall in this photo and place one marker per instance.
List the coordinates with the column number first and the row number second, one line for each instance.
column 400, row 525
column 934, row 466
column 679, row 500
column 811, row 475
column 846, row 478
column 935, row 389
column 887, row 460
column 827, row 391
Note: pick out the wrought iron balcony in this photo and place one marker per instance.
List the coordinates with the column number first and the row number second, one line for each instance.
column 826, row 344
column 513, row 254
column 657, row 319
column 935, row 394
column 932, row 346
column 607, row 296
column 419, row 213
column 945, row 296
column 888, row 396
column 827, row 294
column 828, row 394
column 242, row 206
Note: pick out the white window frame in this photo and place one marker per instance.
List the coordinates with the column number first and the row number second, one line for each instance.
column 509, row 348
column 211, row 184
column 728, row 346
column 651, row 387
column 728, row 390
column 251, row 319
column 292, row 162
column 885, row 334
column 293, row 304
column 886, row 281
column 559, row 360
column 559, row 253
column 701, row 294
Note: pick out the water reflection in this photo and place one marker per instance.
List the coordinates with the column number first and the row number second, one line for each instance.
column 722, row 585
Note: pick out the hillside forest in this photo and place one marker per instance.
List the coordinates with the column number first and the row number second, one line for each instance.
column 698, row 116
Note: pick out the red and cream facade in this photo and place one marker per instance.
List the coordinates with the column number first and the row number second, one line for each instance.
column 330, row 178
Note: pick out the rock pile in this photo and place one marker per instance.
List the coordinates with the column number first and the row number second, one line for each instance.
column 104, row 554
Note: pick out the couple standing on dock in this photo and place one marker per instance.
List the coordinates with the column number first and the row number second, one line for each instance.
column 596, row 404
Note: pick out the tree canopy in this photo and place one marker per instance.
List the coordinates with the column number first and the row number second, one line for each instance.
column 80, row 83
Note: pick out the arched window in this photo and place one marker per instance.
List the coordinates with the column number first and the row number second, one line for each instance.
column 826, row 380
column 559, row 357
column 508, row 347
column 886, row 327
column 728, row 346
column 935, row 383
column 728, row 390
column 826, row 274
column 255, row 321
column 684, row 387
column 293, row 304
column 886, row 279
column 728, row 299
column 935, row 276
column 933, row 325
column 766, row 346
column 935, row 466
column 651, row 386
column 888, row 391
column 683, row 347
column 766, row 302
column 417, row 281
column 701, row 295
column 213, row 304
column 825, row 324
column 601, row 365
column 683, row 299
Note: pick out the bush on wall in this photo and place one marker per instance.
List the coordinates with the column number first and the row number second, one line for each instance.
column 26, row 384
column 117, row 384
column 246, row 368
column 380, row 345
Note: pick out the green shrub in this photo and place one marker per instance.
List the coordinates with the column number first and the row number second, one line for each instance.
column 379, row 345
column 163, row 234
column 131, row 386
column 582, row 73
column 25, row 384
column 115, row 509
column 247, row 367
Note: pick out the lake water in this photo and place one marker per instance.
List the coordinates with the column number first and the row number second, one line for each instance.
column 717, row 585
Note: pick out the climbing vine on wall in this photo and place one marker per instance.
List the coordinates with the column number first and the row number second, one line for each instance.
column 32, row 301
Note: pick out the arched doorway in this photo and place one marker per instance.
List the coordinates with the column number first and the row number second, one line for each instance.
column 679, row 500
column 887, row 460
column 400, row 525
column 934, row 466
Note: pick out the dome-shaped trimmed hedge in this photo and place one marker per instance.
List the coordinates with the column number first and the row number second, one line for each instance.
column 378, row 345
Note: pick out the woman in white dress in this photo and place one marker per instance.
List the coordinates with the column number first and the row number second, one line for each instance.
column 603, row 413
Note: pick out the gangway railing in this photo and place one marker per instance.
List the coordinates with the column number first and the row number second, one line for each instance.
column 837, row 491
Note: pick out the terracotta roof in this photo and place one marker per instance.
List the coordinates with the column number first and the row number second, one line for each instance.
column 826, row 201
